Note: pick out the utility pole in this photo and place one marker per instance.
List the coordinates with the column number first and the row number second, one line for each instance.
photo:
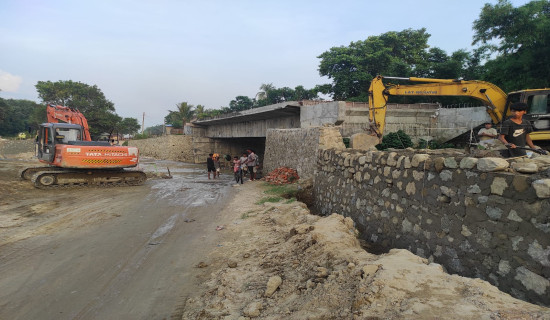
column 143, row 123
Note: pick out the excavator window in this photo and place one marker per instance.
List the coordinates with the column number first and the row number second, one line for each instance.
column 65, row 135
column 538, row 104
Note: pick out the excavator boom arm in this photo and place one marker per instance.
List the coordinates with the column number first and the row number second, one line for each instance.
column 56, row 113
column 486, row 92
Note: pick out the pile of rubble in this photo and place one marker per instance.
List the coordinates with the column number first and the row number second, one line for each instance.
column 282, row 175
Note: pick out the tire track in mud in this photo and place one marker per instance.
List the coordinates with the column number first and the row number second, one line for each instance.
column 198, row 193
column 100, row 253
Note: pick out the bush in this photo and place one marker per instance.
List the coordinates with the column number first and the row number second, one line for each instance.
column 140, row 136
column 395, row 140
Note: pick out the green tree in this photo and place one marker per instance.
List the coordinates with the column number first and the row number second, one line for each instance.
column 352, row 68
column 301, row 93
column 264, row 89
column 241, row 103
column 520, row 38
column 16, row 116
column 186, row 111
column 155, row 130
column 182, row 115
column 76, row 95
column 90, row 100
column 38, row 116
column 129, row 126
column 460, row 64
column 174, row 118
column 4, row 112
column 201, row 112
column 261, row 96
column 269, row 94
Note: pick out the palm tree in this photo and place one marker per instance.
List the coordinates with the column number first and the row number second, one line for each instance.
column 199, row 109
column 185, row 111
column 265, row 89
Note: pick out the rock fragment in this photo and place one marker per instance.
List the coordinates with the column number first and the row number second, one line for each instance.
column 272, row 285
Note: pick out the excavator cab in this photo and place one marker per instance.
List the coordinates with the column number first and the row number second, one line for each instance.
column 52, row 134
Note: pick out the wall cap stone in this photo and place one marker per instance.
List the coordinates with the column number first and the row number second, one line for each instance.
column 492, row 164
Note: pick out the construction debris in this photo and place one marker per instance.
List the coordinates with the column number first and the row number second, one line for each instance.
column 282, row 175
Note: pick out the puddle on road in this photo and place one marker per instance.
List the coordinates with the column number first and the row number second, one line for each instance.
column 189, row 186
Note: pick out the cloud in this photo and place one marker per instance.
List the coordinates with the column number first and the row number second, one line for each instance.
column 9, row 82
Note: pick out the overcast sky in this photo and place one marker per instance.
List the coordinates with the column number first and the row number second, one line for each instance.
column 146, row 56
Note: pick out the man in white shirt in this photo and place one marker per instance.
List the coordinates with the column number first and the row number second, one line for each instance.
column 487, row 136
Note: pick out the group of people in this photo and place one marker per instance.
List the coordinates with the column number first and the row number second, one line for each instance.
column 247, row 163
column 514, row 132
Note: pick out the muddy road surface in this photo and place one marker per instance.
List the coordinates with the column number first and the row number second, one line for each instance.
column 106, row 253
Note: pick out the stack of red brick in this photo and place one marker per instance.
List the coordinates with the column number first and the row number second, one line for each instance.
column 282, row 175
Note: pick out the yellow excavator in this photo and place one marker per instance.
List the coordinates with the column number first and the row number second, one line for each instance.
column 496, row 100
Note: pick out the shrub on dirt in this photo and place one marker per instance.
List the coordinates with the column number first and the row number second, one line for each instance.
column 395, row 140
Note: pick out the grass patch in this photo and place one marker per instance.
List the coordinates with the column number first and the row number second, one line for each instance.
column 269, row 199
column 291, row 200
column 286, row 191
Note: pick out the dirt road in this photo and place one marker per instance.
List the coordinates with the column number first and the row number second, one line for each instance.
column 113, row 253
column 133, row 253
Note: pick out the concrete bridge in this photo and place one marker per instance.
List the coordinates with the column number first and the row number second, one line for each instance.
column 235, row 132
column 428, row 121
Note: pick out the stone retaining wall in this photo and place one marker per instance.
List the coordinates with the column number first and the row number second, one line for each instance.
column 298, row 148
column 450, row 209
column 172, row 147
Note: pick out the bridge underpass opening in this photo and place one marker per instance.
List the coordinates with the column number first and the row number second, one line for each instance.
column 236, row 146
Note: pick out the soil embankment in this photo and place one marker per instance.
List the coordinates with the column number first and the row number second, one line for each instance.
column 278, row 261
column 16, row 149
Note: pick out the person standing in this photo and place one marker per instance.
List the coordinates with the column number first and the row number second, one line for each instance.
column 216, row 159
column 243, row 160
column 515, row 131
column 237, row 170
column 210, row 166
column 252, row 161
column 487, row 135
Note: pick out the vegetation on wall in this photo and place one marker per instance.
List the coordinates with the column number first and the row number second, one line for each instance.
column 395, row 140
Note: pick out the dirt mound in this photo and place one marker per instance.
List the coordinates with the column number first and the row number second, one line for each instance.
column 16, row 149
column 281, row 262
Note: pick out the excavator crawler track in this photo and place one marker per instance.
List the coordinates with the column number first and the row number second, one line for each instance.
column 50, row 179
column 28, row 173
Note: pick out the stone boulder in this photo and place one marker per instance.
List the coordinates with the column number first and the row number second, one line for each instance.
column 363, row 141
column 542, row 188
column 525, row 167
column 492, row 164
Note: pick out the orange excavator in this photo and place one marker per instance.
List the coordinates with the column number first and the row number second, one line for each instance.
column 65, row 145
